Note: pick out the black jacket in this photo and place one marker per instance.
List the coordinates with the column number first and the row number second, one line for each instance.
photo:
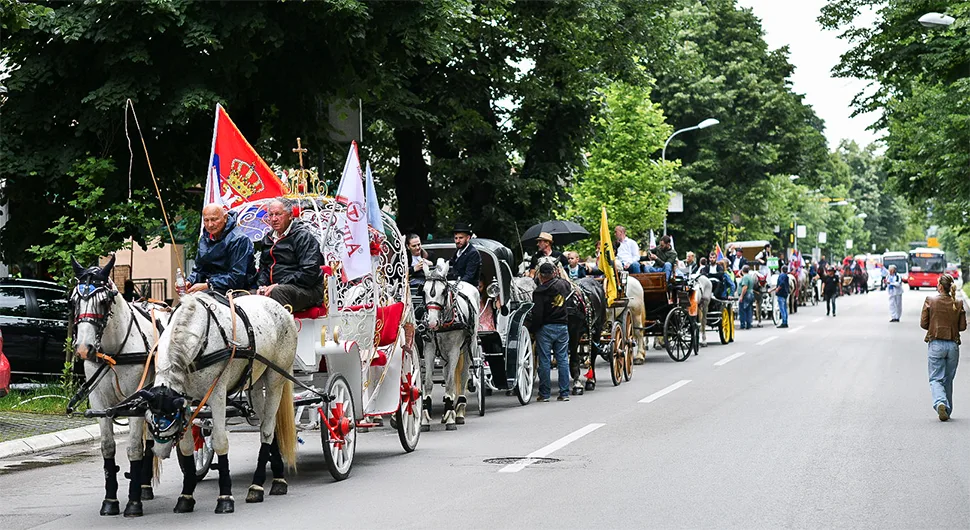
column 554, row 254
column 831, row 285
column 550, row 304
column 466, row 268
column 227, row 262
column 294, row 259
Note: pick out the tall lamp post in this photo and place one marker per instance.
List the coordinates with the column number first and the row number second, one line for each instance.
column 709, row 122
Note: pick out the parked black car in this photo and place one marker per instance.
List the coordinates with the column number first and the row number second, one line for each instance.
column 33, row 319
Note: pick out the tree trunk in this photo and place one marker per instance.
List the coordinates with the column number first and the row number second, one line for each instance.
column 415, row 211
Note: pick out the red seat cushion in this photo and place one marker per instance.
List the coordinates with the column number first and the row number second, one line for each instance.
column 380, row 360
column 388, row 323
column 313, row 312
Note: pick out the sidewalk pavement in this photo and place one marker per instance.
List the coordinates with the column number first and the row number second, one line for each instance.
column 25, row 433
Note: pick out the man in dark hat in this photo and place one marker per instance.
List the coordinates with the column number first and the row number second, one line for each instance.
column 466, row 265
column 549, row 326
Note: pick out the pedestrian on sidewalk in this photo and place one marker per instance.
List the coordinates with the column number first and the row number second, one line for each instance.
column 782, row 290
column 747, row 297
column 943, row 318
column 895, row 286
column 831, row 285
column 549, row 319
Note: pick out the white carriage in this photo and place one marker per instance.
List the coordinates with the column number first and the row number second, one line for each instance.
column 357, row 347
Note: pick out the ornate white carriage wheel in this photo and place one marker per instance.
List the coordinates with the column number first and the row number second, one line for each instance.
column 408, row 415
column 338, row 428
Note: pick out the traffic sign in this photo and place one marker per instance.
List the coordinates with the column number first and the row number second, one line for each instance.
column 933, row 242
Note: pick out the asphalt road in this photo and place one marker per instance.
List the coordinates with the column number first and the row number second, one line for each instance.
column 828, row 424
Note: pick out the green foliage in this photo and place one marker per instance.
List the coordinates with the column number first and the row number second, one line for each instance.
column 726, row 71
column 623, row 173
column 921, row 92
column 92, row 225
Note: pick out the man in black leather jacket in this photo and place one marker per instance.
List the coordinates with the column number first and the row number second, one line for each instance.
column 289, row 265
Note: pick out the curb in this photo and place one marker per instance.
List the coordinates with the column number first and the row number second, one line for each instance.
column 53, row 440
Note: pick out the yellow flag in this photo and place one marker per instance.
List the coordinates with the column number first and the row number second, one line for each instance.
column 607, row 258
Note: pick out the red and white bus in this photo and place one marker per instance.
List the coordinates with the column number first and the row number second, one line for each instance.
column 926, row 265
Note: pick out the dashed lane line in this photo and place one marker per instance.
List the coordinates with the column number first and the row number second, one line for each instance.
column 819, row 319
column 657, row 395
column 551, row 448
column 766, row 341
column 793, row 330
column 729, row 358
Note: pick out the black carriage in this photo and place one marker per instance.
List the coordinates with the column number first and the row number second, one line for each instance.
column 506, row 362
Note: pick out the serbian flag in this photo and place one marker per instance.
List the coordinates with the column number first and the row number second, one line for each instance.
column 607, row 259
column 373, row 207
column 718, row 255
column 350, row 192
column 236, row 174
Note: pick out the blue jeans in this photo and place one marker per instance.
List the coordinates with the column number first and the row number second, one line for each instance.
column 667, row 268
column 782, row 302
column 634, row 268
column 943, row 356
column 553, row 338
column 747, row 311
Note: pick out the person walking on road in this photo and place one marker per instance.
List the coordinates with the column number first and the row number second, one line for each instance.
column 895, row 286
column 943, row 318
column 747, row 297
column 782, row 290
column 831, row 284
column 549, row 319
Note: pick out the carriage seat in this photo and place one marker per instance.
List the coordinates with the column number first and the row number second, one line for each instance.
column 319, row 311
column 491, row 341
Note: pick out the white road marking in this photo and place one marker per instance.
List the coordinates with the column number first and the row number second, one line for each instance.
column 819, row 319
column 551, row 448
column 793, row 330
column 766, row 341
column 728, row 359
column 657, row 395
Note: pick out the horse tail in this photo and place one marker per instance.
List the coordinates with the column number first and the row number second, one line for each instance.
column 156, row 462
column 286, row 426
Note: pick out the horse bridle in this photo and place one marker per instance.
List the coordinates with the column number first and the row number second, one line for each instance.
column 103, row 296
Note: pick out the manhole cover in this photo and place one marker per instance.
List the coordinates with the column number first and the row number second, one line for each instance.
column 506, row 460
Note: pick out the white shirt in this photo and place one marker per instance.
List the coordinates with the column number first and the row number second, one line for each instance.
column 628, row 252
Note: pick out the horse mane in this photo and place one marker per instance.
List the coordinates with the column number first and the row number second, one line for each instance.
column 181, row 337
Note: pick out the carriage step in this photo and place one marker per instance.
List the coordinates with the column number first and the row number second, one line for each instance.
column 368, row 425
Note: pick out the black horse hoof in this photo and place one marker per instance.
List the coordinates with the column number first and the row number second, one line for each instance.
column 133, row 509
column 147, row 493
column 279, row 487
column 578, row 391
column 425, row 428
column 460, row 420
column 109, row 507
column 451, row 427
column 590, row 385
column 184, row 505
column 255, row 494
column 225, row 505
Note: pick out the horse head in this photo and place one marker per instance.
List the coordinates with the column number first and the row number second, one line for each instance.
column 166, row 417
column 438, row 296
column 91, row 301
column 524, row 264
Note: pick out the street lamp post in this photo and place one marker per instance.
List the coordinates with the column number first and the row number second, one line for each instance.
column 709, row 122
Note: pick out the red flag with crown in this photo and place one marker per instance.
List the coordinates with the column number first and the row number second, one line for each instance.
column 237, row 174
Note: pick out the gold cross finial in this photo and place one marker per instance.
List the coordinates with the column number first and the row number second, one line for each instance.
column 299, row 150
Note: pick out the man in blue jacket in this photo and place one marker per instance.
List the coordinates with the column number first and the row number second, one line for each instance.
column 225, row 259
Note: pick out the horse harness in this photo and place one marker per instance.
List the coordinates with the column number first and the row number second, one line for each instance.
column 95, row 288
column 457, row 320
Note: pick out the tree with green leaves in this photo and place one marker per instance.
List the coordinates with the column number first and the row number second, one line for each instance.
column 921, row 92
column 724, row 69
column 624, row 173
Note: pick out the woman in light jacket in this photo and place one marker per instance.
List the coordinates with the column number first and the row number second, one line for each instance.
column 943, row 318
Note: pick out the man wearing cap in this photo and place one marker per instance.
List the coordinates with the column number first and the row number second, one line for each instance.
column 544, row 242
column 466, row 265
column 549, row 327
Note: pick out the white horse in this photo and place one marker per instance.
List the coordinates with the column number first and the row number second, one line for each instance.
column 113, row 340
column 634, row 292
column 194, row 362
column 452, row 319
column 703, row 292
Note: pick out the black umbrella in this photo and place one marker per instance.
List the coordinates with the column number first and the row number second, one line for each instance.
column 563, row 232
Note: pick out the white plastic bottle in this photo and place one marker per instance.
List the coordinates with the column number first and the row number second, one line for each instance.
column 179, row 282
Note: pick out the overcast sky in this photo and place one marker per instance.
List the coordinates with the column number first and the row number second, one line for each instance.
column 814, row 52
